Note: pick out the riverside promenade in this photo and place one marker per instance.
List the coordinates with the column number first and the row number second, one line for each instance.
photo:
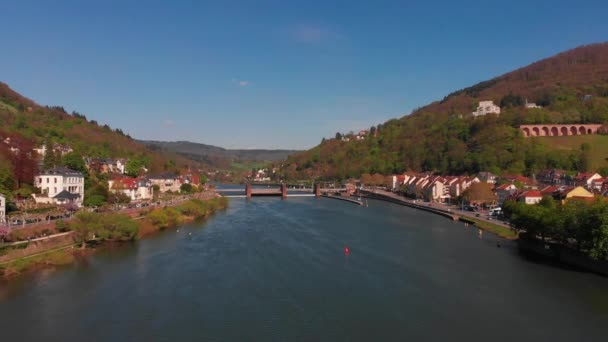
column 436, row 208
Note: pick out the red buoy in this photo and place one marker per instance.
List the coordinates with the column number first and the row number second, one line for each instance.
column 346, row 250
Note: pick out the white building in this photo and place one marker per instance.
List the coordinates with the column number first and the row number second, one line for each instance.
column 60, row 185
column 529, row 105
column 486, row 107
column 135, row 189
column 167, row 182
column 2, row 209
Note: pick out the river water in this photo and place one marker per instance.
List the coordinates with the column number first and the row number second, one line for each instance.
column 271, row 269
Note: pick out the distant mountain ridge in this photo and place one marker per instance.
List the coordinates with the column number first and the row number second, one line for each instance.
column 217, row 156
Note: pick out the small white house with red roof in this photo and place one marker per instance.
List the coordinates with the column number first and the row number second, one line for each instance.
column 585, row 179
column 530, row 197
column 137, row 189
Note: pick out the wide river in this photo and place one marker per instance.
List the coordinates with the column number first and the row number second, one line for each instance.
column 271, row 269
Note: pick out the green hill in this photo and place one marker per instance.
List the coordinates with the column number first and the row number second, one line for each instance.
column 598, row 144
column 219, row 157
column 25, row 125
column 443, row 137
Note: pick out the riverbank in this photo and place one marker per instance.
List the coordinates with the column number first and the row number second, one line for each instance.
column 93, row 231
column 500, row 230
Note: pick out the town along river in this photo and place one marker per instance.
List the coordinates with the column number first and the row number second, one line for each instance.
column 272, row 269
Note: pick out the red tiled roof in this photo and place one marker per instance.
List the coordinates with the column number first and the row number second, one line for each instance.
column 531, row 193
column 549, row 189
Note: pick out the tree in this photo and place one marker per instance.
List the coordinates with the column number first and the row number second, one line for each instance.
column 186, row 188
column 366, row 179
column 83, row 226
column 338, row 136
column 75, row 162
column 51, row 157
column 480, row 193
column 136, row 165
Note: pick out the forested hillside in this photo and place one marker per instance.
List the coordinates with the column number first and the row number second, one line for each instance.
column 216, row 156
column 443, row 137
column 25, row 125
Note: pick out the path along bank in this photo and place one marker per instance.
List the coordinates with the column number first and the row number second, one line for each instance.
column 499, row 229
column 89, row 232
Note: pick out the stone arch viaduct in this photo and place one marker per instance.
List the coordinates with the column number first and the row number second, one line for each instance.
column 557, row 130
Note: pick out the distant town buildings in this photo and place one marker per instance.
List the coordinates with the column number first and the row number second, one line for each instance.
column 137, row 189
column 106, row 165
column 58, row 148
column 167, row 182
column 486, row 107
column 60, row 186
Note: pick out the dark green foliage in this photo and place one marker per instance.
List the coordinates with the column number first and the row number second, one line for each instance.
column 511, row 100
column 113, row 227
column 75, row 162
column 578, row 224
column 186, row 188
column 136, row 164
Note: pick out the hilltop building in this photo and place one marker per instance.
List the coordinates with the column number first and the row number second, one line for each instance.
column 530, row 105
column 486, row 107
column 60, row 185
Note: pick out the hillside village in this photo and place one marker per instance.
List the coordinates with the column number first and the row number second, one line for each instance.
column 63, row 188
column 557, row 184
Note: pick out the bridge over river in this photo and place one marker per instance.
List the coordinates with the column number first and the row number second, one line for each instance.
column 280, row 190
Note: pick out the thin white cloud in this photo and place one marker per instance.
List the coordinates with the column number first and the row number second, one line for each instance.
column 240, row 83
column 169, row 123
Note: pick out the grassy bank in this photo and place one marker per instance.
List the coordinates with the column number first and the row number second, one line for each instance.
column 52, row 258
column 92, row 230
column 501, row 231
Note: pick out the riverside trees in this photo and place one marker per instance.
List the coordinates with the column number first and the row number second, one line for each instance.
column 576, row 224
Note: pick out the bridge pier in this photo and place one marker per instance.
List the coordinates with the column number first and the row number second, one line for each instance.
column 317, row 190
column 283, row 191
column 248, row 190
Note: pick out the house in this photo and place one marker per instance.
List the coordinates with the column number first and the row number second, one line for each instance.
column 397, row 181
column 101, row 165
column 487, row 177
column 60, row 185
column 530, row 105
column 598, row 184
column 568, row 193
column 504, row 191
column 552, row 176
column 361, row 135
column 530, row 197
column 528, row 183
column 458, row 187
column 260, row 176
column 551, row 190
column 486, row 107
column 193, row 179
column 585, row 179
column 2, row 209
column 166, row 182
column 58, row 148
column 137, row 189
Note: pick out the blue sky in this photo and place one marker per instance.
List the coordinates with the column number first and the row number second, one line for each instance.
column 272, row 74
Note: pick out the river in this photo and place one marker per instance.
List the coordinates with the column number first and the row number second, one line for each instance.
column 272, row 269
